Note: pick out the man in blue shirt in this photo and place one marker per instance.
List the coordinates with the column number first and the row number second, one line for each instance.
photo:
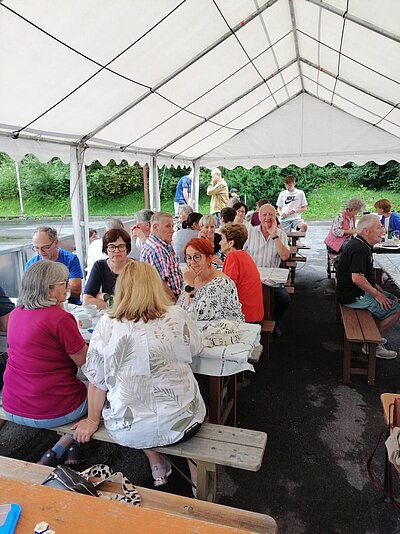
column 183, row 190
column 45, row 244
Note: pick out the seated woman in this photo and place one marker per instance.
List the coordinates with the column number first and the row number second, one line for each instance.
column 240, row 268
column 104, row 273
column 138, row 366
column 45, row 347
column 241, row 211
column 389, row 219
column 344, row 226
column 209, row 293
column 207, row 230
column 190, row 229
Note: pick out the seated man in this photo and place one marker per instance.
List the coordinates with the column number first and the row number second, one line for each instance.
column 140, row 231
column 45, row 244
column 291, row 203
column 356, row 287
column 158, row 251
column 268, row 246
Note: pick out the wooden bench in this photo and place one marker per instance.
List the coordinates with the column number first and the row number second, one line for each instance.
column 159, row 511
column 359, row 327
column 213, row 445
column 387, row 400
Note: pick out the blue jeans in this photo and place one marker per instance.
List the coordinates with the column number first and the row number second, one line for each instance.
column 50, row 423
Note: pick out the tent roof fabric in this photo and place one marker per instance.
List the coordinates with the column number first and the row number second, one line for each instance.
column 231, row 83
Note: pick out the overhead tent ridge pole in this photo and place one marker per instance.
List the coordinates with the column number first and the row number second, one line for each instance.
column 226, row 106
column 196, row 185
column 179, row 71
column 296, row 41
column 356, row 20
column 79, row 205
column 153, row 185
column 350, row 84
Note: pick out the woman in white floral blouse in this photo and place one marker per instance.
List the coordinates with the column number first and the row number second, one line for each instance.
column 209, row 294
column 138, row 367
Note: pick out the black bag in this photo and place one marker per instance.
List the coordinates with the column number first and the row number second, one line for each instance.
column 67, row 479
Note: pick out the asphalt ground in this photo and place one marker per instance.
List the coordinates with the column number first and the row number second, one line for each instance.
column 320, row 431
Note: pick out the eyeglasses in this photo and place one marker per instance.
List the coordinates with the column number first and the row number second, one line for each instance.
column 113, row 248
column 64, row 283
column 196, row 258
column 43, row 248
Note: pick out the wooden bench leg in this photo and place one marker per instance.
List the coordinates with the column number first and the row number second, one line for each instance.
column 371, row 363
column 346, row 361
column 206, row 481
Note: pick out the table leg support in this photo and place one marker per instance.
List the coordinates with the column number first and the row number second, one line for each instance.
column 206, row 481
column 371, row 363
column 346, row 360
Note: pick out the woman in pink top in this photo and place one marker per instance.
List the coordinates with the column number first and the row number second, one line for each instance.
column 240, row 267
column 45, row 347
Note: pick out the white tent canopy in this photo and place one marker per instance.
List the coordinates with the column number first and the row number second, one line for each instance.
column 192, row 79
column 199, row 82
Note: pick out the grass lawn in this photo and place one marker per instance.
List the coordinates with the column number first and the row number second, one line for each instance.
column 323, row 203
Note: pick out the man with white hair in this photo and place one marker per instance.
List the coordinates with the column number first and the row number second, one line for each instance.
column 140, row 231
column 356, row 286
column 218, row 191
column 268, row 246
column 158, row 251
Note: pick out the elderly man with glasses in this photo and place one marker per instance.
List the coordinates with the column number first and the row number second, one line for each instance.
column 45, row 244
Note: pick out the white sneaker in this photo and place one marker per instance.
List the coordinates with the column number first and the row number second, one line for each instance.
column 383, row 341
column 381, row 352
column 384, row 353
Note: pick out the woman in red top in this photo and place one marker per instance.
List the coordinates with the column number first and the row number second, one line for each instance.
column 240, row 267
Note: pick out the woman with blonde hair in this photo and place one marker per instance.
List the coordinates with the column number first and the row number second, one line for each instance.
column 138, row 366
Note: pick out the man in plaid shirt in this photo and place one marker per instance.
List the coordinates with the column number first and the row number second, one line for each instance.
column 158, row 251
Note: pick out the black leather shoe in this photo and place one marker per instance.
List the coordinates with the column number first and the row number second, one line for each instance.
column 277, row 332
column 50, row 459
column 76, row 454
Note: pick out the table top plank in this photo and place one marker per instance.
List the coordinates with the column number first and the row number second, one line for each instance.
column 156, row 500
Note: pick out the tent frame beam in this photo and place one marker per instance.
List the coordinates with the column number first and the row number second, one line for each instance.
column 296, row 41
column 181, row 69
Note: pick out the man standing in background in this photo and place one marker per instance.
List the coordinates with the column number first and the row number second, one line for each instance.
column 218, row 191
column 183, row 192
column 291, row 204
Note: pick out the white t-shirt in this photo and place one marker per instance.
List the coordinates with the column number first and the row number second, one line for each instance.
column 289, row 200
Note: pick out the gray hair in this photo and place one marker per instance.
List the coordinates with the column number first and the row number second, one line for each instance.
column 216, row 171
column 51, row 232
column 206, row 220
column 143, row 216
column 114, row 223
column 354, row 204
column 37, row 280
column 366, row 222
column 157, row 217
column 186, row 209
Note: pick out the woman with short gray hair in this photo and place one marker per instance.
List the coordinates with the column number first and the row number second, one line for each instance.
column 344, row 226
column 45, row 347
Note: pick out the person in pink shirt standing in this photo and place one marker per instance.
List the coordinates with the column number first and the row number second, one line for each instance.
column 45, row 347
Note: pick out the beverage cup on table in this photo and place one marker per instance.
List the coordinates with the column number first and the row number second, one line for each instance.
column 396, row 237
column 90, row 309
column 84, row 320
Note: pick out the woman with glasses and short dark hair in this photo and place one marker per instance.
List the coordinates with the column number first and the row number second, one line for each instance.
column 104, row 273
column 41, row 389
column 209, row 293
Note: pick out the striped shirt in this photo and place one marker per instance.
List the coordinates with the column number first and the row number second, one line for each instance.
column 162, row 256
column 262, row 250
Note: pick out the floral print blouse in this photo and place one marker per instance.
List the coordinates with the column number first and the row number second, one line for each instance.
column 216, row 300
column 152, row 395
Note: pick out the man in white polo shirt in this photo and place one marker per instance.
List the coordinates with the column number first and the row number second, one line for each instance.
column 268, row 246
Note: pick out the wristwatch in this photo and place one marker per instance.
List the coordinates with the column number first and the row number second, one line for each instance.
column 190, row 291
column 106, row 296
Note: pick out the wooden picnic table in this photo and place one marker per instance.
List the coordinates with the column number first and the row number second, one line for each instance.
column 390, row 264
column 293, row 237
column 67, row 512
